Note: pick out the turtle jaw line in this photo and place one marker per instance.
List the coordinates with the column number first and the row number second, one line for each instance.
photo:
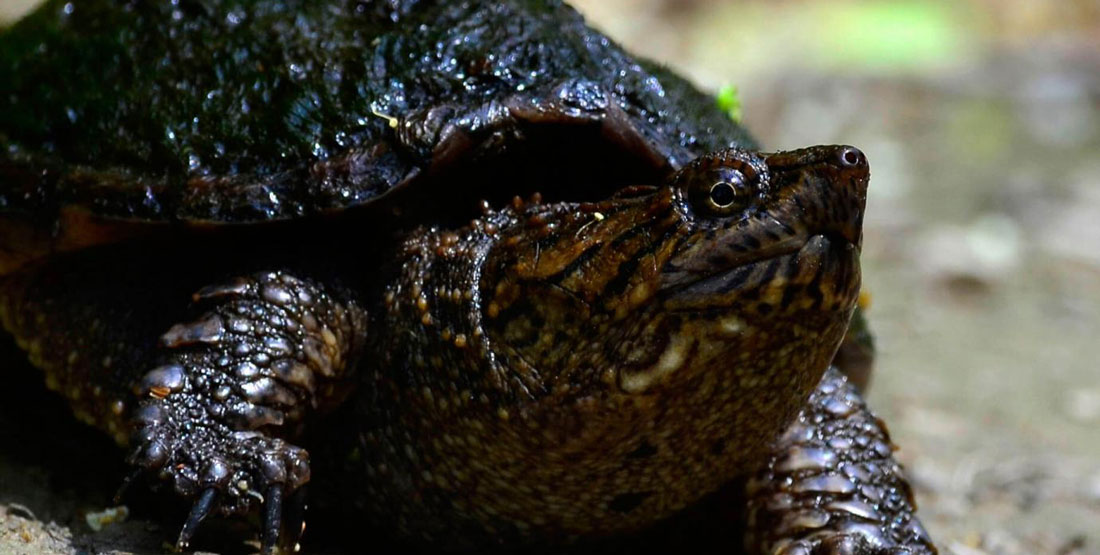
column 822, row 270
column 815, row 244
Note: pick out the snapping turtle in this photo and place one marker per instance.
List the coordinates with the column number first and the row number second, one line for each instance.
column 468, row 269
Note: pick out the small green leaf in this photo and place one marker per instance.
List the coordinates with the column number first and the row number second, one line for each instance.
column 729, row 102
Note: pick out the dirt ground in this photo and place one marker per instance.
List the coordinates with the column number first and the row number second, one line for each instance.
column 981, row 120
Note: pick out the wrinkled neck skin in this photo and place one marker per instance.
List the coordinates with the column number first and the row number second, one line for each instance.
column 632, row 347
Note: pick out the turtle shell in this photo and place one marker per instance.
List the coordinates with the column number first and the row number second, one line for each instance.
column 121, row 118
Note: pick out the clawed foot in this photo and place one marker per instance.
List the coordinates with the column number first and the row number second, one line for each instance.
column 267, row 351
column 833, row 485
column 225, row 471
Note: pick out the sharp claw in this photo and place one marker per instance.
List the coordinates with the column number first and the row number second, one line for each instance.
column 296, row 516
column 199, row 512
column 273, row 518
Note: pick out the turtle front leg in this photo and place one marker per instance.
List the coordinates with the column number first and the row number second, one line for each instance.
column 832, row 485
column 234, row 387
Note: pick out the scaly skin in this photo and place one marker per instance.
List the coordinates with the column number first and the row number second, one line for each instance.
column 272, row 350
column 832, row 484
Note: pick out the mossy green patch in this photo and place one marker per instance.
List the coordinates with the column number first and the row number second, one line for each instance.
column 729, row 101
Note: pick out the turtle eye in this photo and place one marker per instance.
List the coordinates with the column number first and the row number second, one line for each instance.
column 722, row 184
column 729, row 192
column 722, row 194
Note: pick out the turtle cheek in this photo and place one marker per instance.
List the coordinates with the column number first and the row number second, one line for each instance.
column 755, row 320
column 541, row 325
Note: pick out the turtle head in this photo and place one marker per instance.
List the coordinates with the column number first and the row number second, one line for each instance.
column 659, row 340
column 763, row 277
column 768, row 232
column 743, row 267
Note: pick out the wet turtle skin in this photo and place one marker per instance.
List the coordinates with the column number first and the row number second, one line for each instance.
column 474, row 274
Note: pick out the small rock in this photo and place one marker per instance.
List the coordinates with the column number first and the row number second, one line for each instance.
column 101, row 519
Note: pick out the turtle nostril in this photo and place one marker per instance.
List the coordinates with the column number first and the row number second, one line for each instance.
column 852, row 156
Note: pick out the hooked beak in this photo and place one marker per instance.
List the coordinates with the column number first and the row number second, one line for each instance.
column 844, row 173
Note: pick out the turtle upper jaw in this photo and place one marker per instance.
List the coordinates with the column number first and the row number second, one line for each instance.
column 823, row 248
column 825, row 188
column 820, row 272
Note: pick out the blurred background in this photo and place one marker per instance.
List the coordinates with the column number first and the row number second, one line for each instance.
column 981, row 120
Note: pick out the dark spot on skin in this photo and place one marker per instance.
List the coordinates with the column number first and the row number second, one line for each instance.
column 718, row 447
column 814, row 291
column 717, row 260
column 537, row 321
column 576, row 264
column 644, row 450
column 790, row 294
column 736, row 280
column 626, row 236
column 770, row 271
column 626, row 502
column 618, row 284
